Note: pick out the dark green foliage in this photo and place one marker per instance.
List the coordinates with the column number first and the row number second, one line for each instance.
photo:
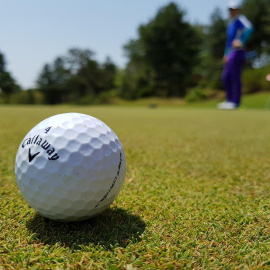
column 197, row 94
column 209, row 66
column 137, row 79
column 170, row 46
column 2, row 63
column 162, row 59
column 217, row 39
column 51, row 81
column 258, row 12
column 217, row 34
column 254, row 80
column 76, row 77
column 30, row 96
column 109, row 73
column 8, row 85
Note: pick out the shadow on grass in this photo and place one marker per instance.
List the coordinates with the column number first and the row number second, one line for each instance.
column 114, row 227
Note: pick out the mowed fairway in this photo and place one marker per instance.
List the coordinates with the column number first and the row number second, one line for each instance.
column 196, row 194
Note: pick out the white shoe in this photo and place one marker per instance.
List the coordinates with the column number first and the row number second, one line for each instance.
column 227, row 105
column 221, row 105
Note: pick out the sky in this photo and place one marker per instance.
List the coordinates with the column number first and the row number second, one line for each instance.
column 35, row 32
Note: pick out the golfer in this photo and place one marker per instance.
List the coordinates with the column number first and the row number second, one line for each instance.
column 238, row 32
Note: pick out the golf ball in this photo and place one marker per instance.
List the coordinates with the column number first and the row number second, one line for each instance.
column 70, row 167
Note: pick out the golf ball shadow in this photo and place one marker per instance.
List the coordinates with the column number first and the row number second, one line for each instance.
column 114, row 227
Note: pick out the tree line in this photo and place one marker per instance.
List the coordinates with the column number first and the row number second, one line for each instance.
column 168, row 59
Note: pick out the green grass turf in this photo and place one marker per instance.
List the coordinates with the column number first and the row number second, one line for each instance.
column 196, row 194
column 259, row 100
column 251, row 101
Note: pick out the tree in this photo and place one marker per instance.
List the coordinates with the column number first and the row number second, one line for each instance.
column 8, row 85
column 258, row 12
column 137, row 79
column 215, row 40
column 171, row 47
column 2, row 63
column 109, row 70
column 51, row 81
column 76, row 77
column 77, row 59
column 163, row 57
column 217, row 34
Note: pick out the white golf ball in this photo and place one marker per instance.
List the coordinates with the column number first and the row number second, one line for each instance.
column 70, row 167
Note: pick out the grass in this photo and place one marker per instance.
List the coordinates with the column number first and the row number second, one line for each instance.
column 252, row 101
column 196, row 194
column 259, row 100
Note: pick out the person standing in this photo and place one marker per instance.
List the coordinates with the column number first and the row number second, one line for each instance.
column 239, row 30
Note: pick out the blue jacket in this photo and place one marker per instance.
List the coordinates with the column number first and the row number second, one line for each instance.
column 238, row 28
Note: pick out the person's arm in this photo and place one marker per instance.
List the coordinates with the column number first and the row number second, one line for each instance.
column 244, row 32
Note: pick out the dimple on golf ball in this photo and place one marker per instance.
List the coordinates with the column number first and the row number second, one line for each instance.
column 70, row 167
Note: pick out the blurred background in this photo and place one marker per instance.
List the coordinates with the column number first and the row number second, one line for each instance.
column 113, row 52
